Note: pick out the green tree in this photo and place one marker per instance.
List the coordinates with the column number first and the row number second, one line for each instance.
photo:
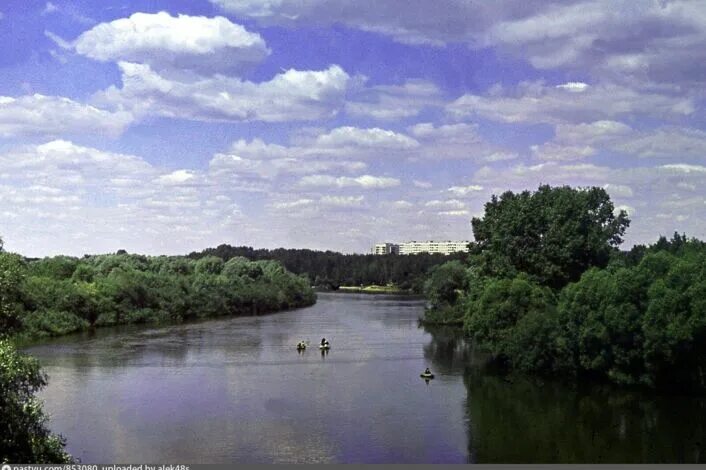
column 24, row 436
column 510, row 318
column 12, row 273
column 553, row 234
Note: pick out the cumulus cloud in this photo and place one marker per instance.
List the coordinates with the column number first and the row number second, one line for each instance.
column 422, row 184
column 393, row 102
column 537, row 102
column 117, row 199
column 575, row 142
column 289, row 96
column 55, row 116
column 649, row 40
column 247, row 163
column 456, row 141
column 465, row 190
column 196, row 43
column 342, row 201
column 364, row 181
column 448, row 203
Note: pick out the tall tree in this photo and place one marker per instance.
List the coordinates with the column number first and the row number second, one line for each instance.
column 553, row 234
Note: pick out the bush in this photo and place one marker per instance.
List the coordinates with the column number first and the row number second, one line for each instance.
column 43, row 323
column 24, row 436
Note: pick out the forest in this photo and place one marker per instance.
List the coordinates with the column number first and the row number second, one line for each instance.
column 547, row 291
column 59, row 295
column 330, row 270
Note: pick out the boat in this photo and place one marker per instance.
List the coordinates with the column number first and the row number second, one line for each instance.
column 301, row 346
column 325, row 346
column 426, row 376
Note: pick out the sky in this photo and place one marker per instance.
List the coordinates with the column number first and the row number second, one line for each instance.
column 165, row 126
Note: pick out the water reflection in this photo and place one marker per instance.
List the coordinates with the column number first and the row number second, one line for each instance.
column 526, row 420
column 559, row 423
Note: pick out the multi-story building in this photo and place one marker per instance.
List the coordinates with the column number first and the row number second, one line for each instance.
column 386, row 249
column 414, row 247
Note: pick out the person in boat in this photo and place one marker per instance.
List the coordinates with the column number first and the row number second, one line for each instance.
column 427, row 371
column 324, row 342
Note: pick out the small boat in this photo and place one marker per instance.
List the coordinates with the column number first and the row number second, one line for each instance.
column 426, row 376
column 301, row 347
column 325, row 346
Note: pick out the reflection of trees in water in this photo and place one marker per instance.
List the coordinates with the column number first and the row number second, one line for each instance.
column 449, row 351
column 525, row 421
column 161, row 345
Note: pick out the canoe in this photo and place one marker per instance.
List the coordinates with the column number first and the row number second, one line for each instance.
column 427, row 376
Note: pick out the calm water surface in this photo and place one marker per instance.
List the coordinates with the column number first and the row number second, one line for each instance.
column 236, row 390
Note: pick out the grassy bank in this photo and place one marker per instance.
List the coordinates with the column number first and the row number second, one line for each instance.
column 375, row 289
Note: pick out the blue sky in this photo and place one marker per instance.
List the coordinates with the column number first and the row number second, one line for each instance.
column 169, row 126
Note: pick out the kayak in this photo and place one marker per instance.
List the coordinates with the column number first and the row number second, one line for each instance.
column 301, row 347
column 427, row 376
column 324, row 346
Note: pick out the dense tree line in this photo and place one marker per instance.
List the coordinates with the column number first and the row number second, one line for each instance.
column 58, row 295
column 329, row 269
column 547, row 291
column 24, row 435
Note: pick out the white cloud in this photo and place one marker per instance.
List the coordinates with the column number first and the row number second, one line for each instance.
column 394, row 102
column 618, row 190
column 364, row 181
column 342, row 201
column 448, row 203
column 271, row 168
column 574, row 86
column 177, row 177
column 287, row 205
column 535, row 102
column 574, row 142
column 355, row 137
column 401, row 204
column 55, row 116
column 648, row 40
column 196, row 43
column 685, row 168
column 465, row 190
column 665, row 142
column 455, row 213
column 290, row 96
column 118, row 200
column 455, row 141
column 49, row 8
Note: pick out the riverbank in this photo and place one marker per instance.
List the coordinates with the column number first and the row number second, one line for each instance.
column 375, row 289
column 63, row 295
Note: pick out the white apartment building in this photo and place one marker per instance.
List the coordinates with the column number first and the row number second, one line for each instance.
column 415, row 247
column 386, row 249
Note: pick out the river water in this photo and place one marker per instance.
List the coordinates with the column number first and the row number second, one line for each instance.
column 236, row 390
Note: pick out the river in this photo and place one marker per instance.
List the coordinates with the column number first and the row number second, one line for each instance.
column 236, row 390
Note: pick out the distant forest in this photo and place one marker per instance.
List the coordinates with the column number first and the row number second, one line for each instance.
column 329, row 269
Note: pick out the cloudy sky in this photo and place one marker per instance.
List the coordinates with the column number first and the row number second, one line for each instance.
column 165, row 126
